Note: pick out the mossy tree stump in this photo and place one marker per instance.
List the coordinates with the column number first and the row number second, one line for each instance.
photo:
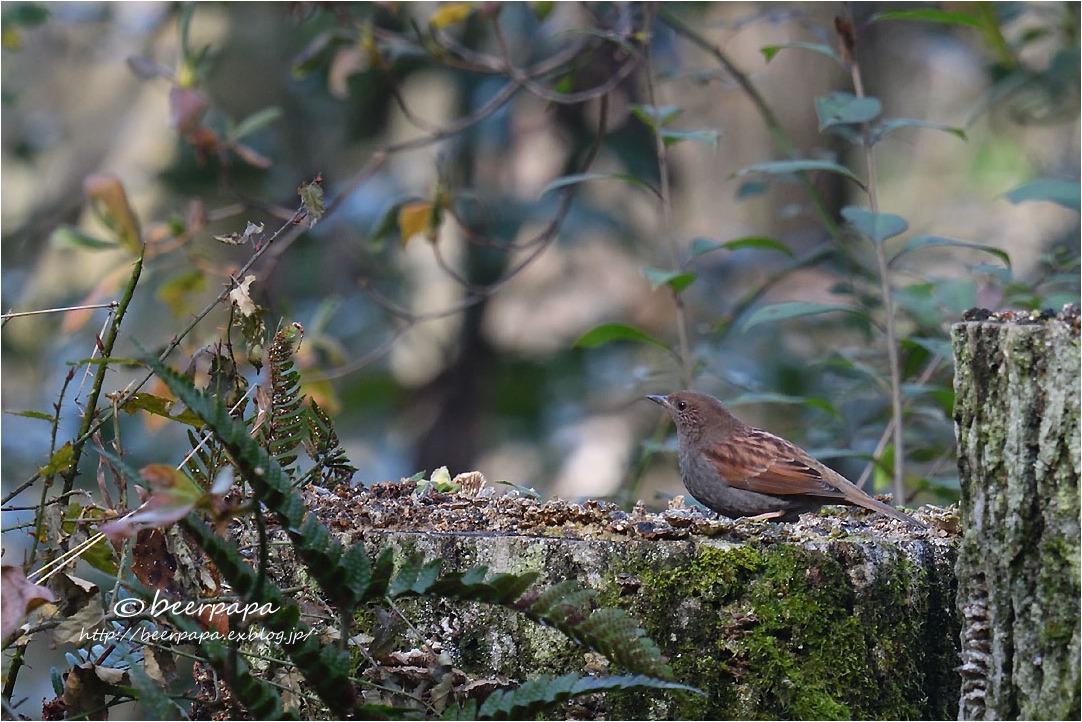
column 845, row 615
column 847, row 628
column 1017, row 415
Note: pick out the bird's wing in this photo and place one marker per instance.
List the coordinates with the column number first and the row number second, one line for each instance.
column 761, row 462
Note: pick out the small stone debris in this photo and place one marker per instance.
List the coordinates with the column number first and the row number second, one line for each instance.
column 403, row 506
column 1069, row 314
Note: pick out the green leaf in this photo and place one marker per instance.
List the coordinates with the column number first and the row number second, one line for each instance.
column 1054, row 190
column 787, row 167
column 655, row 117
column 845, row 108
column 176, row 291
column 706, row 137
column 794, row 309
column 761, row 242
column 527, row 492
column 886, row 127
column 356, row 570
column 929, row 15
column 154, row 700
column 769, row 398
column 750, row 189
column 537, row 694
column 676, row 280
column 387, row 226
column 58, row 462
column 311, row 194
column 70, row 237
column 699, row 246
column 926, row 241
column 151, row 403
column 256, row 121
column 609, row 332
column 575, row 178
column 769, row 51
column 160, row 406
column 942, row 397
column 934, row 346
column 876, row 226
column 31, row 414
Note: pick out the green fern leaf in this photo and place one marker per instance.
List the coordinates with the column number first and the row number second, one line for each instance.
column 259, row 697
column 414, row 577
column 325, row 449
column 609, row 631
column 382, row 573
column 467, row 711
column 319, row 551
column 475, row 585
column 540, row 693
column 356, row 570
column 285, row 429
column 328, row 676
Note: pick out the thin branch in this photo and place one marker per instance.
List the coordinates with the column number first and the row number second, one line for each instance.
column 63, row 309
column 99, row 376
column 893, row 355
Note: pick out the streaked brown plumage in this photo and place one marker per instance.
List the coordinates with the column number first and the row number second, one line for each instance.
column 739, row 470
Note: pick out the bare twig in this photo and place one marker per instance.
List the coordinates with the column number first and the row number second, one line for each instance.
column 893, row 356
column 63, row 309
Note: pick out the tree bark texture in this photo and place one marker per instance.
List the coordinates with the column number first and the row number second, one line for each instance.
column 1017, row 421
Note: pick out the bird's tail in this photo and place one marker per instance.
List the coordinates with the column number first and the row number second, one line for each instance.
column 876, row 505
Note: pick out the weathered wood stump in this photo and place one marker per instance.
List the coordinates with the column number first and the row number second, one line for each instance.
column 1017, row 416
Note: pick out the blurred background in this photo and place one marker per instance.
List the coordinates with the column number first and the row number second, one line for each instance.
column 445, row 292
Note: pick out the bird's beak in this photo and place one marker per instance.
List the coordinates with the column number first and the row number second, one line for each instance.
column 661, row 400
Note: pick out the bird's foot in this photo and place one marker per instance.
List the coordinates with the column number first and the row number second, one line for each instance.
column 768, row 516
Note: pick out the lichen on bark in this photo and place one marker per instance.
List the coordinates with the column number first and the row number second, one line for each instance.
column 1017, row 419
column 832, row 629
column 839, row 615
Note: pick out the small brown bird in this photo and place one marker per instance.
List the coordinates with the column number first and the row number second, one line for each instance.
column 738, row 470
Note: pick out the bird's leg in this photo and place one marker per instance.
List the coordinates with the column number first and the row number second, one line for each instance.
column 767, row 516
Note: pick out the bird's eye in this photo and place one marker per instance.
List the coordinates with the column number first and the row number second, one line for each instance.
column 681, row 405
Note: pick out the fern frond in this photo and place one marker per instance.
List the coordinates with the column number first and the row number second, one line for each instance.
column 565, row 606
column 325, row 449
column 475, row 585
column 326, row 668
column 258, row 696
column 321, row 554
column 414, row 576
column 207, row 461
column 382, row 573
column 285, row 429
column 608, row 631
column 539, row 693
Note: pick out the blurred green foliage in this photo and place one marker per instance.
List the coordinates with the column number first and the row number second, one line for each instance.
column 491, row 228
column 500, row 264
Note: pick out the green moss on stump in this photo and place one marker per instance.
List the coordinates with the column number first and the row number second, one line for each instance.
column 824, row 628
column 779, row 632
